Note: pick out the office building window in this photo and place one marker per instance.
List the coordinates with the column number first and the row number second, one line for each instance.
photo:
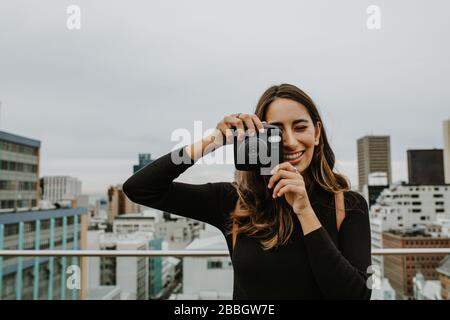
column 214, row 264
column 11, row 229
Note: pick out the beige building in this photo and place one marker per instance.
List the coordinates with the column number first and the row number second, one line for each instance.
column 118, row 203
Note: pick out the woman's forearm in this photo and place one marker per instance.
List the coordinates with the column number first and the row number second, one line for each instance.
column 309, row 221
column 202, row 147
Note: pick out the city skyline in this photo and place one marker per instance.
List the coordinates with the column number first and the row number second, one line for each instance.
column 99, row 96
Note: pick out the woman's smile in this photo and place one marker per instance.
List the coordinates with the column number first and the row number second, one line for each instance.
column 294, row 158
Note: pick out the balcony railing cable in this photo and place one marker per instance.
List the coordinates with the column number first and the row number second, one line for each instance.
column 186, row 253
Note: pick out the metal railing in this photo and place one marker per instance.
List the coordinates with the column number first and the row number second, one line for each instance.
column 185, row 253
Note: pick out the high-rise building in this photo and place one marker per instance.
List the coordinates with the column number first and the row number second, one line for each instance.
column 425, row 167
column 42, row 278
column 400, row 269
column 374, row 155
column 60, row 188
column 446, row 140
column 19, row 172
column 144, row 159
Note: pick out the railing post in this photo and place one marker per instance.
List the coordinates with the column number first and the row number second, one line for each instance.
column 51, row 260
column 75, row 247
column 37, row 241
column 19, row 273
column 2, row 228
column 63, row 260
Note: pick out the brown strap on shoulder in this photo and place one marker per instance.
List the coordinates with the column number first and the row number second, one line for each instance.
column 235, row 230
column 340, row 214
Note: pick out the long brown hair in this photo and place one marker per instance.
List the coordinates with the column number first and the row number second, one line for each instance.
column 258, row 214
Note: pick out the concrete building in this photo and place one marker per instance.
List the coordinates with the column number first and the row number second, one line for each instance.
column 19, row 172
column 378, row 181
column 118, row 203
column 207, row 277
column 385, row 292
column 101, row 208
column 446, row 142
column 129, row 274
column 400, row 270
column 426, row 289
column 425, row 167
column 156, row 267
column 178, row 231
column 42, row 278
column 443, row 271
column 374, row 155
column 145, row 222
column 164, row 272
column 434, row 289
column 406, row 207
column 376, row 234
column 137, row 222
column 60, row 188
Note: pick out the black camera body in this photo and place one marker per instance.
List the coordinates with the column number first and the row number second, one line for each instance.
column 262, row 151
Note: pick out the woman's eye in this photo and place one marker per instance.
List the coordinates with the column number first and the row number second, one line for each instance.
column 300, row 128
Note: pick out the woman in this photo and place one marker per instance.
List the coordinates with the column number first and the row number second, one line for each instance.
column 288, row 245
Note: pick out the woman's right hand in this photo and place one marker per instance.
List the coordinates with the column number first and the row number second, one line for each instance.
column 241, row 122
column 223, row 134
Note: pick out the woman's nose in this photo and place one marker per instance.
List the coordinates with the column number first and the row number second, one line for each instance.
column 289, row 139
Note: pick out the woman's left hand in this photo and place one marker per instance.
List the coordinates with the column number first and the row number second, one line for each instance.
column 289, row 183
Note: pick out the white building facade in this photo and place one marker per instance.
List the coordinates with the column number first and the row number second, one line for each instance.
column 207, row 277
column 130, row 274
column 60, row 188
column 407, row 207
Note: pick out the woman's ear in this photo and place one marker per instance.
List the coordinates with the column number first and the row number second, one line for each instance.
column 318, row 128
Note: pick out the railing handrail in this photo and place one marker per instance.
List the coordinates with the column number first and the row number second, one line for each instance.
column 185, row 253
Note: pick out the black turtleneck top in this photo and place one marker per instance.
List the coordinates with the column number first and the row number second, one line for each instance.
column 324, row 264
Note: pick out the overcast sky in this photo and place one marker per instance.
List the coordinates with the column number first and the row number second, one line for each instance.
column 138, row 70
